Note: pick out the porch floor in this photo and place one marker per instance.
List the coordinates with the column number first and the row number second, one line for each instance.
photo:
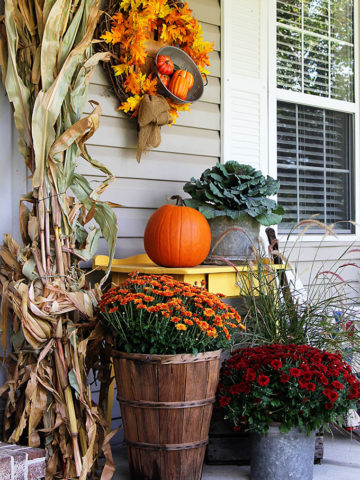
column 341, row 462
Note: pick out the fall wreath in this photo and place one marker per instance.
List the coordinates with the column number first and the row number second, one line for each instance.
column 134, row 30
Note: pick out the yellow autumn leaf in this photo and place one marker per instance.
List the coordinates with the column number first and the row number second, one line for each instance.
column 125, row 5
column 164, row 34
column 131, row 103
column 120, row 69
column 204, row 70
column 164, row 11
column 108, row 37
column 185, row 107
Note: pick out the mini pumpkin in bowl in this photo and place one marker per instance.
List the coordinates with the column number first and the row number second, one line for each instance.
column 186, row 84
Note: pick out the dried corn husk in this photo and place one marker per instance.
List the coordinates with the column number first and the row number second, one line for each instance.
column 47, row 63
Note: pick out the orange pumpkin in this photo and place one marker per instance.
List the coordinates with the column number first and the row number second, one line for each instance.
column 165, row 79
column 190, row 78
column 177, row 236
column 165, row 65
column 179, row 83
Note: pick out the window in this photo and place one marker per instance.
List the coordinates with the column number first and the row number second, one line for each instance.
column 316, row 109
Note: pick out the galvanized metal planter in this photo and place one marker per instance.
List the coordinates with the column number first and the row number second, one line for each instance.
column 277, row 455
column 235, row 246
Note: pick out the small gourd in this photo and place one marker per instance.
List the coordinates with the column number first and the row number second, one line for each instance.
column 180, row 83
column 165, row 65
column 165, row 79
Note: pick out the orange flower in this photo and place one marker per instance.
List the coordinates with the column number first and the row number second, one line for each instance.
column 208, row 312
column 148, row 298
column 175, row 319
column 180, row 326
column 227, row 334
column 114, row 309
column 211, row 332
column 141, row 307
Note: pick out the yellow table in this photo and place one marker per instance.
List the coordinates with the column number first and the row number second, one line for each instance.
column 218, row 278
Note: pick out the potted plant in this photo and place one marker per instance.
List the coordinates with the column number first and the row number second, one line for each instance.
column 167, row 338
column 292, row 335
column 282, row 394
column 235, row 200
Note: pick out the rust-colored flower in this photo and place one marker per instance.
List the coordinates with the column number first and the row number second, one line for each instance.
column 152, row 304
column 180, row 326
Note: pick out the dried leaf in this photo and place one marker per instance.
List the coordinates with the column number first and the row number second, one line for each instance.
column 18, row 93
column 51, row 41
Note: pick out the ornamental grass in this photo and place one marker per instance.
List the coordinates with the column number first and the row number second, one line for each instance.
column 159, row 315
column 324, row 313
column 293, row 385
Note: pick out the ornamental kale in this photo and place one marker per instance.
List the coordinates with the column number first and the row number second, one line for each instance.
column 231, row 189
column 294, row 385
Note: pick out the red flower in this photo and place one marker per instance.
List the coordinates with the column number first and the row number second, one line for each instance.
column 295, row 372
column 263, row 380
column 324, row 380
column 235, row 389
column 303, row 384
column 250, row 375
column 311, row 387
column 337, row 385
column 329, row 406
column 243, row 387
column 223, row 401
column 331, row 394
column 276, row 364
column 307, row 376
column 284, row 378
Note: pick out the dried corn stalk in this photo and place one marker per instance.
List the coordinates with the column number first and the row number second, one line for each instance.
column 47, row 63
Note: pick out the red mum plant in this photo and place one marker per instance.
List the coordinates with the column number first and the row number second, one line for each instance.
column 157, row 314
column 293, row 385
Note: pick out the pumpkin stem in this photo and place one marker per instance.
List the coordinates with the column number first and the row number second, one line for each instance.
column 179, row 200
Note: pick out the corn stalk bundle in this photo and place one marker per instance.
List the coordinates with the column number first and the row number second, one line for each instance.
column 47, row 303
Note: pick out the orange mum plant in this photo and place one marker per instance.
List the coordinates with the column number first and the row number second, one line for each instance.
column 137, row 23
column 159, row 315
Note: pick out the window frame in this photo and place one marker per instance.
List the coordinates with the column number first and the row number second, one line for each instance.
column 278, row 94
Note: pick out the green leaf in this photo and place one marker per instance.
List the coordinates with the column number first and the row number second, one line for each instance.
column 73, row 381
column 268, row 219
column 233, row 187
column 91, row 246
column 104, row 215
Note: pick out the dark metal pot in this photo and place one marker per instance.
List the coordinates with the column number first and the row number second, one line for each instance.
column 230, row 244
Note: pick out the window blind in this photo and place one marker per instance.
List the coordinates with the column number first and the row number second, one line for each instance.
column 315, row 156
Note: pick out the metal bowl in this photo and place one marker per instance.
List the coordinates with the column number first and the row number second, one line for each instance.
column 181, row 61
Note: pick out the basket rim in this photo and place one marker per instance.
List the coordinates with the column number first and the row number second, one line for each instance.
column 167, row 359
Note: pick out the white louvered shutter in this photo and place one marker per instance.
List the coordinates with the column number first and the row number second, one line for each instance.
column 245, row 124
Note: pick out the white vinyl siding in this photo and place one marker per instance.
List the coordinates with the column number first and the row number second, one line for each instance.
column 187, row 148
